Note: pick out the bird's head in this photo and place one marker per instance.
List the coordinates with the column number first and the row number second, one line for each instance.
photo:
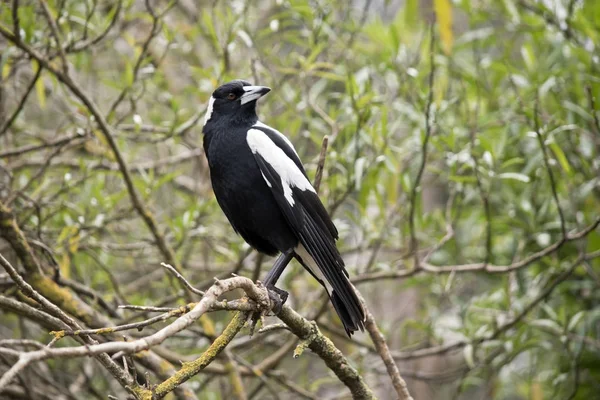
column 235, row 101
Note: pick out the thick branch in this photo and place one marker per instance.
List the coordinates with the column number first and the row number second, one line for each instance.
column 256, row 293
column 312, row 338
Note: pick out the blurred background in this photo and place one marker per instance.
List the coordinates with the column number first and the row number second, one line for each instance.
column 462, row 173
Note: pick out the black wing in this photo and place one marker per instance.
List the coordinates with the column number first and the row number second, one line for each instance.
column 307, row 198
column 310, row 221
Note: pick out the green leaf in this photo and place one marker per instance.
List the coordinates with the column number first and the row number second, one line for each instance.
column 443, row 12
column 546, row 323
column 40, row 90
column 528, row 57
column 128, row 73
column 359, row 168
column 4, row 64
column 560, row 156
column 468, row 354
column 575, row 320
column 411, row 13
column 515, row 176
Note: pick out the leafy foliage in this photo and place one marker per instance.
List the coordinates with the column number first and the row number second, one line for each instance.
column 462, row 172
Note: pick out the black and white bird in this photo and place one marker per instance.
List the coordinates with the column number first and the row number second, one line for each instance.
column 262, row 187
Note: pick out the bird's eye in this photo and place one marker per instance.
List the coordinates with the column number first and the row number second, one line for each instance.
column 231, row 96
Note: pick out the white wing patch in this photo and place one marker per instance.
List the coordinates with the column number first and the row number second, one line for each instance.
column 289, row 173
column 209, row 110
column 259, row 124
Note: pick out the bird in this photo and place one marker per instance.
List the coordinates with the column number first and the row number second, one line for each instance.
column 263, row 189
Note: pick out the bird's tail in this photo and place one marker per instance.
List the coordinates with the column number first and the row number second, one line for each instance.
column 351, row 319
column 333, row 276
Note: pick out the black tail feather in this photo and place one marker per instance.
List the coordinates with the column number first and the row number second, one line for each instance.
column 351, row 325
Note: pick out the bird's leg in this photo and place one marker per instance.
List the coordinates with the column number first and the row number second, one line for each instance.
column 277, row 295
column 282, row 261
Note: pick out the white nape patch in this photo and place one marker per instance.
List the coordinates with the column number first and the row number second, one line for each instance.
column 289, row 173
column 312, row 265
column 209, row 110
column 259, row 124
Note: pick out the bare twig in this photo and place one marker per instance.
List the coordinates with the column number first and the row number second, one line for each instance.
column 105, row 128
column 593, row 111
column 171, row 313
column 139, row 167
column 10, row 120
column 8, row 376
column 182, row 279
column 78, row 46
column 414, row 244
column 384, row 352
column 192, row 368
column 15, row 20
column 211, row 296
column 34, row 147
column 489, row 268
column 543, row 295
column 321, row 163
column 146, row 308
column 538, row 132
column 57, row 37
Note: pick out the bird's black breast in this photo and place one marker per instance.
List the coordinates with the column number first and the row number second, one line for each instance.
column 243, row 194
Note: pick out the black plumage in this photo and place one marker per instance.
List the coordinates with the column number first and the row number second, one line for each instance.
column 262, row 187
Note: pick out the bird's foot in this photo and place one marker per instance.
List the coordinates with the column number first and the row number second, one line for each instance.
column 278, row 298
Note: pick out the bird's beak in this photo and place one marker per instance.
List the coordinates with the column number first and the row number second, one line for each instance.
column 253, row 93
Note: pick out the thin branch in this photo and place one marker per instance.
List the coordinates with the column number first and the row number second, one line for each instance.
column 165, row 249
column 489, row 268
column 56, row 34
column 224, row 305
column 321, row 163
column 235, row 377
column 256, row 293
column 414, row 244
column 154, row 31
column 70, row 303
column 34, row 147
column 551, row 20
column 84, row 45
column 143, row 166
column 123, row 378
column 540, row 297
column 538, row 132
column 593, row 111
column 384, row 352
column 190, row 369
column 15, row 19
column 8, row 123
column 182, row 279
column 543, row 295
column 41, row 317
column 39, row 173
column 146, row 308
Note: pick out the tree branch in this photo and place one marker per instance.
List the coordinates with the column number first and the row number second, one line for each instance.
column 312, row 338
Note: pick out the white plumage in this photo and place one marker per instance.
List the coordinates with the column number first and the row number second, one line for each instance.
column 290, row 174
column 209, row 110
column 259, row 124
column 312, row 265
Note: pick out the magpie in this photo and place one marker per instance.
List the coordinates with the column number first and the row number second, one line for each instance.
column 262, row 187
